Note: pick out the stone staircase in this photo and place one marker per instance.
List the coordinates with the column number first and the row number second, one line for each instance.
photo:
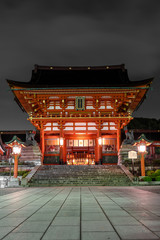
column 31, row 154
column 88, row 175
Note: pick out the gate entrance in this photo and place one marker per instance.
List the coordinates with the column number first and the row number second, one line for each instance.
column 80, row 151
column 80, row 158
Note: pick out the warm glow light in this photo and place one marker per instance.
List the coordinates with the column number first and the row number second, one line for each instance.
column 16, row 149
column 100, row 141
column 142, row 148
column 61, row 141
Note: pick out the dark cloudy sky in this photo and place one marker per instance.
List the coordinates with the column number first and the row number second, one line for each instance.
column 72, row 32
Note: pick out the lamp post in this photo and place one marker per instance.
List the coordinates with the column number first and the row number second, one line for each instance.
column 141, row 144
column 16, row 151
column 142, row 151
column 16, row 144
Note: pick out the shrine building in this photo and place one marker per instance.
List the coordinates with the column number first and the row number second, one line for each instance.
column 80, row 111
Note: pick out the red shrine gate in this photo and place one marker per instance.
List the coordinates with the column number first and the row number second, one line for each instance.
column 79, row 111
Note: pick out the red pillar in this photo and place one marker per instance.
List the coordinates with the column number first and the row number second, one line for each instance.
column 153, row 151
column 142, row 164
column 118, row 138
column 64, row 150
column 61, row 147
column 98, row 152
column 15, row 166
column 42, row 145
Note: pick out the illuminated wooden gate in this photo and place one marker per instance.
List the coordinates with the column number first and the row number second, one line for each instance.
column 80, row 151
column 76, row 105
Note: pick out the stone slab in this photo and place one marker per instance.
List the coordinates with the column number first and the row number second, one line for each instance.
column 135, row 232
column 98, row 212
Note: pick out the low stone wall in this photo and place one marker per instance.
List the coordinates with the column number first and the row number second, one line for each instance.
column 7, row 181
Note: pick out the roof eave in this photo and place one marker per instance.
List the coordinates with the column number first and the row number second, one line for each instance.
column 149, row 82
column 15, row 85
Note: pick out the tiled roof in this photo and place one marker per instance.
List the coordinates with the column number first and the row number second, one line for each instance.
column 104, row 76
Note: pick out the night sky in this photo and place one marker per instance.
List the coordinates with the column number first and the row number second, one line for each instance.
column 78, row 33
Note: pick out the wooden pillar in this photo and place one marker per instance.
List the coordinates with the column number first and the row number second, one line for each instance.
column 153, row 150
column 42, row 145
column 118, row 139
column 15, row 166
column 64, row 150
column 61, row 146
column 98, row 152
column 142, row 164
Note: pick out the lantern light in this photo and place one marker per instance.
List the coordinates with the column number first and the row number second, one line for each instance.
column 61, row 141
column 141, row 144
column 142, row 148
column 16, row 149
column 100, row 141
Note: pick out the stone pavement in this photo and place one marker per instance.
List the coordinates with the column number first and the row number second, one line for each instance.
column 4, row 191
column 87, row 213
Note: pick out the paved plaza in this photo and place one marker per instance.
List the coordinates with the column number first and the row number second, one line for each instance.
column 87, row 213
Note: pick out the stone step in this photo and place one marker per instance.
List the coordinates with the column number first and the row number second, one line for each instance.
column 31, row 154
column 58, row 175
column 30, row 148
column 83, row 183
column 79, row 180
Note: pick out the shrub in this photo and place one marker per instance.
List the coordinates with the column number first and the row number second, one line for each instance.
column 157, row 172
column 20, row 173
column 158, row 178
column 152, row 176
column 150, row 172
column 146, row 179
column 25, row 174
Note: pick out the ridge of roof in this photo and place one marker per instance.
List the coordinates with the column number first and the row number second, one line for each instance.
column 58, row 77
column 43, row 67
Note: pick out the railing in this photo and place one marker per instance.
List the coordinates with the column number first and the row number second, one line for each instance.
column 91, row 114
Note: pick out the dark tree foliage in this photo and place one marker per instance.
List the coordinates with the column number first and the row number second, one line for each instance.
column 144, row 123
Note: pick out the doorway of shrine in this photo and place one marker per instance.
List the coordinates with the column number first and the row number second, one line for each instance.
column 80, row 151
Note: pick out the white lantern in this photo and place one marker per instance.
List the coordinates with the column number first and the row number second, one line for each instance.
column 61, row 141
column 16, row 149
column 100, row 141
column 142, row 148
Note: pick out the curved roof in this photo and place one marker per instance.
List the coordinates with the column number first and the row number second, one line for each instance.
column 75, row 77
